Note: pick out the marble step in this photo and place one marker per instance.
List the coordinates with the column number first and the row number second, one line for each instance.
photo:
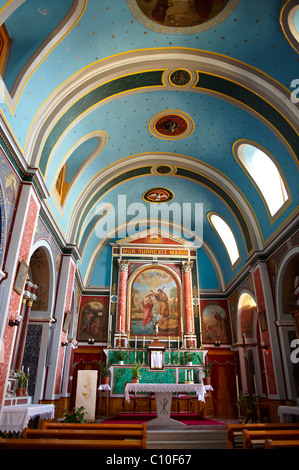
column 193, row 439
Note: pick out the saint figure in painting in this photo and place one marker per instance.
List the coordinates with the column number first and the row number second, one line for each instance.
column 162, row 298
column 147, row 309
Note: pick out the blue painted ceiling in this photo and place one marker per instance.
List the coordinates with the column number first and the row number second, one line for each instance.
column 85, row 80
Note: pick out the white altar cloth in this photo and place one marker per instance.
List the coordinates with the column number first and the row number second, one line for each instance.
column 16, row 418
column 285, row 413
column 163, row 396
column 199, row 389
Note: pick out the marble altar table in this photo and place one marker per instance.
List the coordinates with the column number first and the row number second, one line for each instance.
column 163, row 396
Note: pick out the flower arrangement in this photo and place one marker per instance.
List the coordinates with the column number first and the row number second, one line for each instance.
column 75, row 416
column 120, row 355
column 22, row 378
column 136, row 375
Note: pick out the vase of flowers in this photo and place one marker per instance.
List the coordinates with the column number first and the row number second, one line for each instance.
column 22, row 385
column 120, row 356
column 76, row 415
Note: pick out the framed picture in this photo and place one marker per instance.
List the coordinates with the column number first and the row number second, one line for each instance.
column 21, row 277
column 263, row 320
column 67, row 320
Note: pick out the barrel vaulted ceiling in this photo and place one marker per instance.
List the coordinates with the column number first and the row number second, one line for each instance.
column 113, row 98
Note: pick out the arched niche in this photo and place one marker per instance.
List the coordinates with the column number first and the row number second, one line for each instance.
column 286, row 304
column 38, row 339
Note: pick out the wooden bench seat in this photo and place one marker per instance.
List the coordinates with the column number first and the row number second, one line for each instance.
column 51, row 425
column 285, row 444
column 234, row 431
column 98, row 434
column 69, row 444
column 254, row 439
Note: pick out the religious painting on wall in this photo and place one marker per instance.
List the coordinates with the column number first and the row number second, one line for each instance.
column 155, row 297
column 93, row 319
column 215, row 324
column 181, row 13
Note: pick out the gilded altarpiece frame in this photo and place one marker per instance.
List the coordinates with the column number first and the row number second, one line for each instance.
column 154, row 304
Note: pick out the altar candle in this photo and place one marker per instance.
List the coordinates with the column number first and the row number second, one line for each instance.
column 143, row 342
column 178, row 342
column 255, row 389
column 135, row 342
column 237, row 385
column 192, row 375
column 185, row 375
column 168, row 342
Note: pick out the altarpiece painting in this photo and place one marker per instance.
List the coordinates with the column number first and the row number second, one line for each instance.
column 155, row 296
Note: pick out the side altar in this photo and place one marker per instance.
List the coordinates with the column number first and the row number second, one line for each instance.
column 154, row 315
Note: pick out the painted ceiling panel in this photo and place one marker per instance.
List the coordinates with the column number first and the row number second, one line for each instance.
column 101, row 97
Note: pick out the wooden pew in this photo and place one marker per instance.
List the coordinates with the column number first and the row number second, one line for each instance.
column 98, row 434
column 82, row 436
column 257, row 439
column 51, row 425
column 285, row 444
column 13, row 444
column 234, row 431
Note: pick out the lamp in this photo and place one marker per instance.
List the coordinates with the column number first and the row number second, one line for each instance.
column 65, row 343
column 91, row 341
column 264, row 346
column 217, row 343
column 16, row 321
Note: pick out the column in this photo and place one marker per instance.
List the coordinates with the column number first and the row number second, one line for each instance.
column 122, row 302
column 30, row 290
column 188, row 307
column 19, row 329
column 272, row 359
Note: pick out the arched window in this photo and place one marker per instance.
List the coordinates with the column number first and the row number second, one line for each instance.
column 289, row 20
column 265, row 174
column 226, row 235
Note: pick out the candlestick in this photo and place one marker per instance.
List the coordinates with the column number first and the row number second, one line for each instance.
column 254, row 382
column 237, row 385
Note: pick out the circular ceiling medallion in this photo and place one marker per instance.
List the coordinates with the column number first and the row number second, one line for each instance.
column 158, row 195
column 163, row 169
column 171, row 124
column 180, row 77
column 183, row 16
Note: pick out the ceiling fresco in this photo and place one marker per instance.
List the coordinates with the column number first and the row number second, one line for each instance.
column 125, row 104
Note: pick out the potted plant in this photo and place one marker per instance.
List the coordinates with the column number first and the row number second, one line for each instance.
column 136, row 375
column 120, row 356
column 248, row 400
column 207, row 372
column 75, row 416
column 189, row 358
column 22, row 383
column 105, row 371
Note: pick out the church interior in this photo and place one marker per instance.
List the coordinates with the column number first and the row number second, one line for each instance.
column 149, row 210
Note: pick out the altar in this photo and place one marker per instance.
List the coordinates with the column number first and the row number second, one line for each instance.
column 163, row 396
column 16, row 418
column 154, row 322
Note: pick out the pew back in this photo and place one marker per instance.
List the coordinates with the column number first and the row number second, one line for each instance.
column 285, row 444
column 234, row 431
column 253, row 439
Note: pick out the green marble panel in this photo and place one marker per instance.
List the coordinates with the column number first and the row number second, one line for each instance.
column 122, row 375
